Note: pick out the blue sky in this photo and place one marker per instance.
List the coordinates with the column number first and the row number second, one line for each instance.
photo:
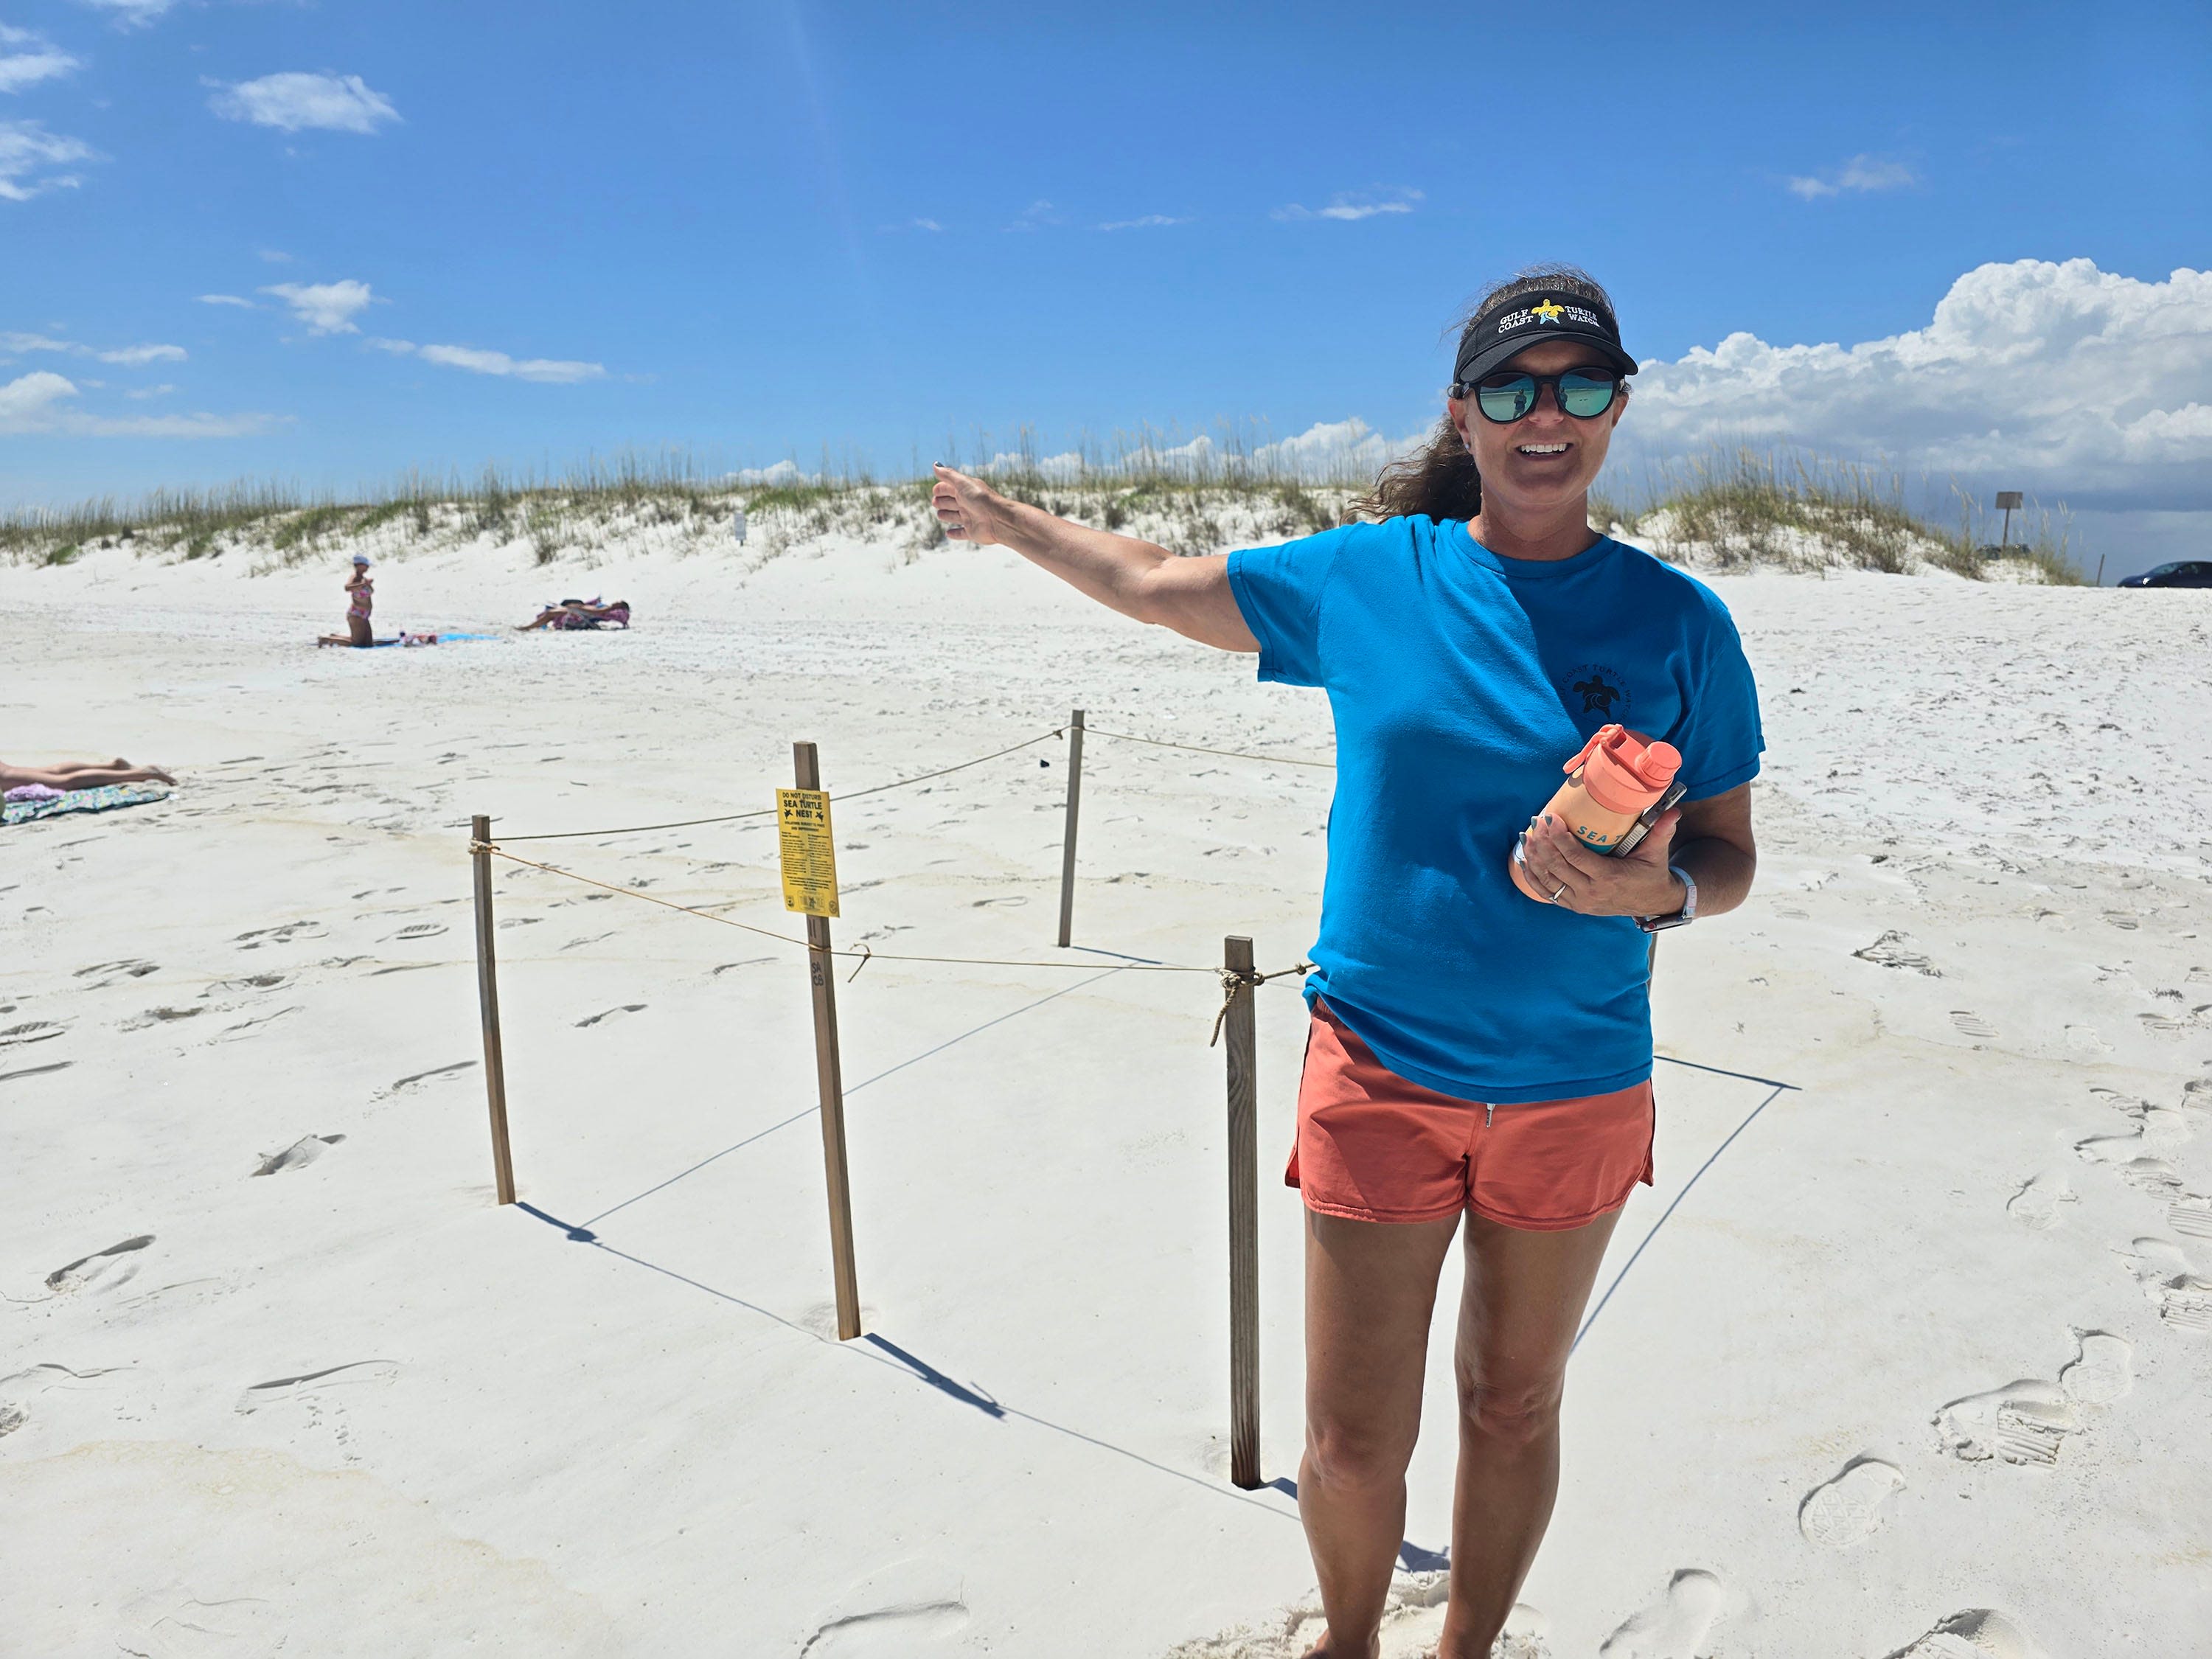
column 453, row 234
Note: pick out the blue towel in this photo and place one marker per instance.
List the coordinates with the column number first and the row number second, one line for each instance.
column 84, row 800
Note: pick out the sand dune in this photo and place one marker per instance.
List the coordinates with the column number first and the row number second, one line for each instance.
column 1916, row 1365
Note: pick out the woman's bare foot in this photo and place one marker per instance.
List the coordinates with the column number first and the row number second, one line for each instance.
column 1325, row 1649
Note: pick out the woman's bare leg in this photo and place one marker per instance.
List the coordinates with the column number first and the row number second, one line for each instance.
column 1525, row 1294
column 1371, row 1289
column 81, row 776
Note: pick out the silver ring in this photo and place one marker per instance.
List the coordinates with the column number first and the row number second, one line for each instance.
column 1562, row 887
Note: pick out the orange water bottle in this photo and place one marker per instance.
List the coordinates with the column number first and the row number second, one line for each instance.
column 1615, row 787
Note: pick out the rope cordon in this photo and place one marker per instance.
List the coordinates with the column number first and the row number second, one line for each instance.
column 1232, row 980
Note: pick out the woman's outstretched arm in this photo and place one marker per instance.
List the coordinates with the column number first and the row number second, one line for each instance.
column 1136, row 578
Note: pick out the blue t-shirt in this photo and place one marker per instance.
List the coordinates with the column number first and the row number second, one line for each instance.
column 1461, row 683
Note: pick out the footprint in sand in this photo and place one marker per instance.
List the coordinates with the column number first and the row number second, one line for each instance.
column 36, row 1071
column 311, row 1386
column 1969, row 1024
column 246, row 1028
column 317, row 1400
column 2024, row 1422
column 2171, row 1284
column 1896, row 950
column 1976, row 1633
column 117, row 1264
column 1849, row 1507
column 159, row 1017
column 251, row 982
column 2037, row 1203
column 2158, row 1129
column 31, row 1030
column 299, row 1154
column 177, row 1624
column 2190, row 1216
column 419, row 930
column 2085, row 1040
column 612, row 1014
column 2102, row 1372
column 256, row 938
column 19, row 1388
column 424, row 1077
column 2154, row 1176
column 130, row 968
column 908, row 1609
column 1674, row 1626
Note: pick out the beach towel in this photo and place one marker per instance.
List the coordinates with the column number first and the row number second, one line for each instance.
column 107, row 796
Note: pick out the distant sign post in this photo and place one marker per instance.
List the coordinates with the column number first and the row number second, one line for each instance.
column 809, row 885
column 2007, row 501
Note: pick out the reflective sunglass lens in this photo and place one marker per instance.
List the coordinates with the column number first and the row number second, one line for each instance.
column 1508, row 398
column 1585, row 396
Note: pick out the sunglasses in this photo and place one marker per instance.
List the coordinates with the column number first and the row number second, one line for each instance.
column 1585, row 393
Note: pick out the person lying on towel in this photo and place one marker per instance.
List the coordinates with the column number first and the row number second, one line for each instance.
column 579, row 613
column 80, row 774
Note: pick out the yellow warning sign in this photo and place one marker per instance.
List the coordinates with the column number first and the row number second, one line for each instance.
column 810, row 855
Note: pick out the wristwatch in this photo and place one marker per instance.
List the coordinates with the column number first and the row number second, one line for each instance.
column 1681, row 918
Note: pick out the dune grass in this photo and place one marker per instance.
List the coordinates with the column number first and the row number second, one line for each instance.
column 1741, row 508
column 1727, row 509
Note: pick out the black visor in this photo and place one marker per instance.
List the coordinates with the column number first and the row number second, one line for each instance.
column 1513, row 325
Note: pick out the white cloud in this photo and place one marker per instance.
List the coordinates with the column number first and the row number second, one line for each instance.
column 1146, row 222
column 294, row 101
column 131, row 357
column 1039, row 212
column 28, row 401
column 547, row 370
column 26, row 58
column 2063, row 380
column 1860, row 175
column 130, row 14
column 1349, row 206
column 228, row 300
column 27, row 151
column 324, row 307
column 145, row 391
column 35, row 403
column 783, row 472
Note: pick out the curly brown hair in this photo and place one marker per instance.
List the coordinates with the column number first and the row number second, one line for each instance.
column 1438, row 478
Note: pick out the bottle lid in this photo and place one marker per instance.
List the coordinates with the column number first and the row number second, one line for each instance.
column 1625, row 771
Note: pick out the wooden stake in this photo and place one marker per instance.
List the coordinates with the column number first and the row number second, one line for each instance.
column 829, row 1077
column 502, row 1156
column 1244, row 1222
column 1068, row 842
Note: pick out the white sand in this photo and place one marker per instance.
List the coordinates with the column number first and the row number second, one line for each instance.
column 1924, row 1352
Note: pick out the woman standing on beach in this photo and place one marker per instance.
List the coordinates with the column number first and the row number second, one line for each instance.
column 1471, row 1051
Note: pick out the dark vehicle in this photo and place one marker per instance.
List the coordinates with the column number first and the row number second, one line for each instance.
column 2187, row 572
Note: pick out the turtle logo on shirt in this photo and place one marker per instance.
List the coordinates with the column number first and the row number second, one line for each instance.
column 1600, row 688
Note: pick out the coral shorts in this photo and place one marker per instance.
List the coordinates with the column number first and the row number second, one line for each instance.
column 1373, row 1147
